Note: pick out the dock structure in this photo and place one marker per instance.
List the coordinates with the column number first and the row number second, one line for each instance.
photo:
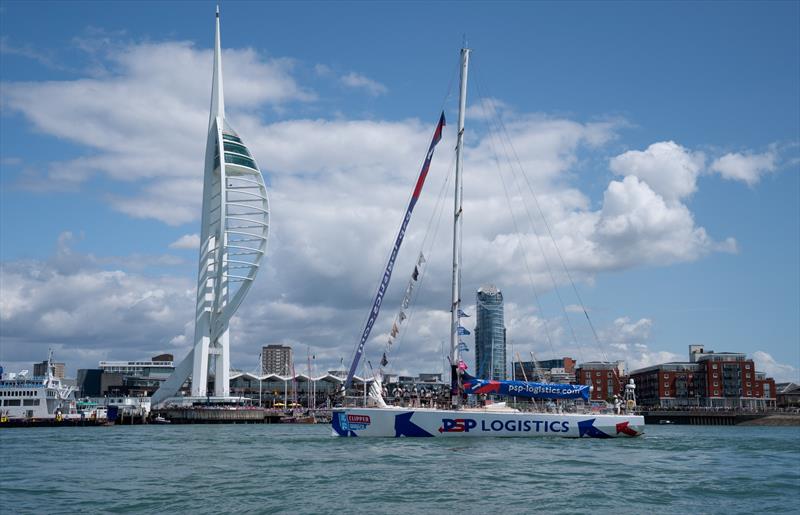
column 220, row 415
column 718, row 418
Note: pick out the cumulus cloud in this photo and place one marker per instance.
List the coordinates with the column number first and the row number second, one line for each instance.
column 746, row 167
column 187, row 241
column 337, row 190
column 144, row 120
column 668, row 168
column 781, row 372
column 89, row 308
column 358, row 81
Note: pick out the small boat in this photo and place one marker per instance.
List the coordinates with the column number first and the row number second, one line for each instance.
column 160, row 420
column 665, row 422
column 299, row 419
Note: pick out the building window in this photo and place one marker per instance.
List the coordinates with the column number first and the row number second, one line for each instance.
column 666, row 385
column 714, row 366
column 716, row 383
column 239, row 160
column 230, row 137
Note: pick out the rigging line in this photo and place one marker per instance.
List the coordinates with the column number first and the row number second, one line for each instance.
column 439, row 206
column 536, row 233
column 516, row 225
column 558, row 251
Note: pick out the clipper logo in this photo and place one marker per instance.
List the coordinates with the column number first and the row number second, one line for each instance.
column 356, row 422
column 352, row 422
column 458, row 425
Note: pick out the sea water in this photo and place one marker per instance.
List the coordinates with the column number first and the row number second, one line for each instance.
column 302, row 469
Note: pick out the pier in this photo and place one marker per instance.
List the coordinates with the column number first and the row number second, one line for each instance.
column 195, row 415
column 720, row 418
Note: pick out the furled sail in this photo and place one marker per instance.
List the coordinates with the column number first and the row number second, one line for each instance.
column 524, row 388
column 387, row 273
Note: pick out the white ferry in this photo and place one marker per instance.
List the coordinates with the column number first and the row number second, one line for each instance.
column 30, row 399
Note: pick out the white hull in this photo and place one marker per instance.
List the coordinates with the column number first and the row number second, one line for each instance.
column 421, row 422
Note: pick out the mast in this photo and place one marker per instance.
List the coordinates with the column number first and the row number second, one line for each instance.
column 456, row 298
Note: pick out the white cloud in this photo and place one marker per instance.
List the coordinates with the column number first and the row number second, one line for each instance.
column 668, row 168
column 746, row 167
column 781, row 372
column 187, row 241
column 337, row 191
column 358, row 81
column 636, row 225
column 144, row 120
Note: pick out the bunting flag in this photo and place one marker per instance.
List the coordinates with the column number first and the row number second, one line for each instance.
column 384, row 361
column 462, row 331
column 402, row 316
column 387, row 273
column 415, row 274
column 421, row 259
column 461, row 314
column 395, row 330
column 389, row 342
column 463, row 347
column 406, row 301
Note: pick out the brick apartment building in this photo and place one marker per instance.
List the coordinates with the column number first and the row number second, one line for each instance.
column 554, row 370
column 712, row 379
column 606, row 378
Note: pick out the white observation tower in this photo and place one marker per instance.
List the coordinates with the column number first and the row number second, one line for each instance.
column 234, row 231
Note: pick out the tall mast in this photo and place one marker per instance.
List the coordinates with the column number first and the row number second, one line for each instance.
column 456, row 304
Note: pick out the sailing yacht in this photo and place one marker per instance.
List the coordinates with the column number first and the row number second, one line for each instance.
column 459, row 420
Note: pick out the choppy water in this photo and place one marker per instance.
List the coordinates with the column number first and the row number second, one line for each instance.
column 291, row 469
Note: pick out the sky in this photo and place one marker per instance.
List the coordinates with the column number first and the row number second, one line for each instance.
column 652, row 147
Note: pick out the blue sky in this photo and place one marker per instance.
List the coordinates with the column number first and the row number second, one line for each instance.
column 661, row 137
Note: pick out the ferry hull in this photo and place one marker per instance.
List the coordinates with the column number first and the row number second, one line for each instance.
column 420, row 422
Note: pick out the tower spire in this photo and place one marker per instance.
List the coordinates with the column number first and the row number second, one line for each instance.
column 217, row 97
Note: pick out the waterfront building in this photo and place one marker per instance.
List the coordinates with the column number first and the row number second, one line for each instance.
column 89, row 382
column 161, row 365
column 40, row 369
column 434, row 377
column 711, row 379
column 607, row 378
column 554, row 370
column 276, row 359
column 788, row 395
column 233, row 239
column 490, row 334
column 133, row 378
column 278, row 391
column 668, row 384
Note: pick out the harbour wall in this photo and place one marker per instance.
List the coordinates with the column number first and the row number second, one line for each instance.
column 724, row 418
